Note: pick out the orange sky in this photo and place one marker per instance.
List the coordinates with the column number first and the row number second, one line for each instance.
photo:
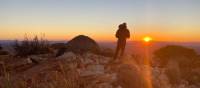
column 163, row 20
column 99, row 33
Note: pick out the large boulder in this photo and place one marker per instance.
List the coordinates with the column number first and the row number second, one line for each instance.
column 82, row 44
column 185, row 56
column 179, row 63
column 173, row 72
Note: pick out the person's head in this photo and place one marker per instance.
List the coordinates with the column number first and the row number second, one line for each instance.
column 122, row 26
column 124, row 23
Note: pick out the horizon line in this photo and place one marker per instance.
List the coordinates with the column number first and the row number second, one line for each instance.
column 109, row 41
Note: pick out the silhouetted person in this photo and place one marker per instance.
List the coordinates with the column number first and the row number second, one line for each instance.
column 122, row 34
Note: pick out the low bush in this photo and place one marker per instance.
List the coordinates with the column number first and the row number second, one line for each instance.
column 31, row 47
column 0, row 47
column 3, row 52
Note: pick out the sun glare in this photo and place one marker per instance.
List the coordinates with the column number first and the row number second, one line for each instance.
column 147, row 39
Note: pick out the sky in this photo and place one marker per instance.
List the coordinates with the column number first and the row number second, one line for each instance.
column 163, row 20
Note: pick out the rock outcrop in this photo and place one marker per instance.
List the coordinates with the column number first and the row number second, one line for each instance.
column 179, row 63
column 82, row 44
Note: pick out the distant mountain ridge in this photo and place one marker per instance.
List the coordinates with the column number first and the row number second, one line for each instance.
column 132, row 46
column 138, row 46
column 6, row 42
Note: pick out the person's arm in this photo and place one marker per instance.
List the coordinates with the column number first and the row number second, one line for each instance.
column 117, row 34
column 128, row 34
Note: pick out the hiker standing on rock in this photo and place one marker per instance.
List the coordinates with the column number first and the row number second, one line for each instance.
column 122, row 34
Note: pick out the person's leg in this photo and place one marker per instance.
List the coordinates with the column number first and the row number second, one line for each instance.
column 117, row 51
column 123, row 48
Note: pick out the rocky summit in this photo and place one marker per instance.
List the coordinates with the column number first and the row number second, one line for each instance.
column 88, row 70
column 81, row 67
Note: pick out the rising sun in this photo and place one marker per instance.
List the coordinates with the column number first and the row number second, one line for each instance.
column 147, row 39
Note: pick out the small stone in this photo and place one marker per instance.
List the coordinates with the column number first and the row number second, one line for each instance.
column 92, row 70
column 29, row 61
column 69, row 56
column 105, row 85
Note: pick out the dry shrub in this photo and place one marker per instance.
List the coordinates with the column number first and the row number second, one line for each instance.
column 62, row 77
column 0, row 47
column 3, row 52
column 31, row 46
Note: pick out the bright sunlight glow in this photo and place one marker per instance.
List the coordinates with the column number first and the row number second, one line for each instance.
column 147, row 39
